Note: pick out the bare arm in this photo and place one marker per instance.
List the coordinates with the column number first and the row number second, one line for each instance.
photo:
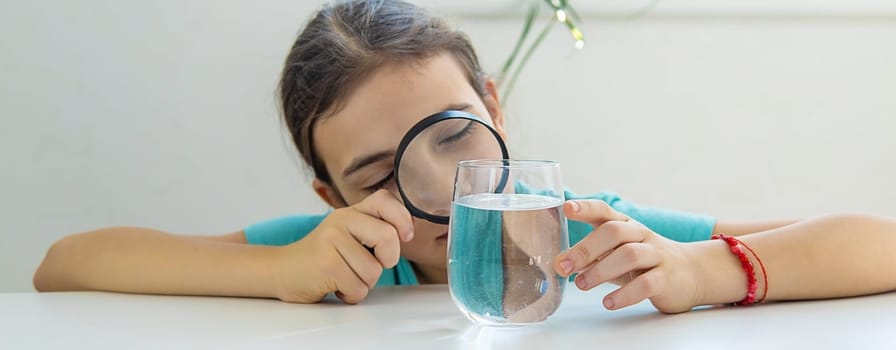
column 345, row 254
column 739, row 228
column 140, row 260
column 825, row 257
column 233, row 237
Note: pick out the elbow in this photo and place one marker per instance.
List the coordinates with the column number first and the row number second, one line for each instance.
column 40, row 280
column 49, row 274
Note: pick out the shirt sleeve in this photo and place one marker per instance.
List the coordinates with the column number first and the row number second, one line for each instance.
column 283, row 230
column 675, row 225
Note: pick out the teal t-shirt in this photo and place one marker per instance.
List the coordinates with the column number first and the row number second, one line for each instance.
column 672, row 224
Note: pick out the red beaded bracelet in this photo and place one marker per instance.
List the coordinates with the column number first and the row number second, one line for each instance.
column 762, row 267
column 735, row 246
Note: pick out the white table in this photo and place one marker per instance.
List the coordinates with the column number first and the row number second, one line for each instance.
column 423, row 317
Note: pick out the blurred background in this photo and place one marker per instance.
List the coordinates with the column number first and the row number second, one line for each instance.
column 163, row 113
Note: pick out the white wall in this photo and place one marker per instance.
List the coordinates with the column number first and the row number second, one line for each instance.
column 161, row 113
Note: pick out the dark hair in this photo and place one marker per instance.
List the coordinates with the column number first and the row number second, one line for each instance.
column 346, row 41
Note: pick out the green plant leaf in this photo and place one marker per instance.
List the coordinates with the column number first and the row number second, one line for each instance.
column 563, row 13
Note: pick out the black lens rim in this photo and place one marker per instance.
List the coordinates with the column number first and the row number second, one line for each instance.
column 417, row 129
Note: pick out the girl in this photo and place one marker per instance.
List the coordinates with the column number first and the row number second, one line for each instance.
column 361, row 74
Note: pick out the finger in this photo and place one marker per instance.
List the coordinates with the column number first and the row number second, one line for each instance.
column 594, row 212
column 377, row 234
column 349, row 288
column 647, row 285
column 383, row 205
column 596, row 245
column 360, row 260
column 621, row 261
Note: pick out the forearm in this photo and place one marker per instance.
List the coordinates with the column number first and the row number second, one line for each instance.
column 825, row 257
column 739, row 228
column 137, row 260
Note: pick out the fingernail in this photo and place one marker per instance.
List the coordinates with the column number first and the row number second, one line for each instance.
column 608, row 303
column 566, row 265
column 409, row 236
column 574, row 206
column 581, row 283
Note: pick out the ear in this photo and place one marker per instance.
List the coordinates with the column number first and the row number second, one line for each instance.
column 328, row 194
column 493, row 105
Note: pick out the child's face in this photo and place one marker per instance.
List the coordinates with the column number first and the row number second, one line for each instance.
column 373, row 120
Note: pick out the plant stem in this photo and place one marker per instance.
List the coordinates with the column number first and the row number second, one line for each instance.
column 530, row 19
column 526, row 56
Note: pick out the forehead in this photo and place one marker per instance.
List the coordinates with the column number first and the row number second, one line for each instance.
column 386, row 104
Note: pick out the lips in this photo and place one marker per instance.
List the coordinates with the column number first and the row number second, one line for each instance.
column 442, row 236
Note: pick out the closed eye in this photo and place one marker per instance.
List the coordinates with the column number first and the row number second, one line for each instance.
column 380, row 184
column 459, row 135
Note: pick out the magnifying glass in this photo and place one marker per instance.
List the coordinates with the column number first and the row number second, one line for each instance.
column 427, row 157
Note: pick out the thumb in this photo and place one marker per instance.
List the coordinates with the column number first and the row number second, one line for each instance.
column 594, row 212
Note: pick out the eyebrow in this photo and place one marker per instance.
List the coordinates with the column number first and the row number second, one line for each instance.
column 363, row 161
column 366, row 160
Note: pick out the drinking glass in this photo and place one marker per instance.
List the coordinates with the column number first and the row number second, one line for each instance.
column 506, row 227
